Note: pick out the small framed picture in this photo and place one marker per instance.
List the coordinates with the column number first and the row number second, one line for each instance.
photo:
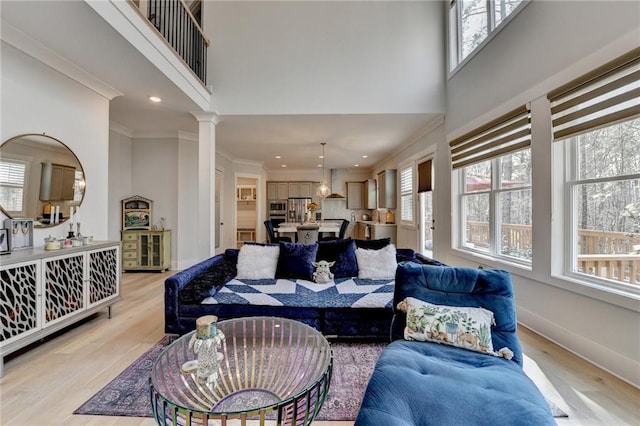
column 137, row 219
column 4, row 241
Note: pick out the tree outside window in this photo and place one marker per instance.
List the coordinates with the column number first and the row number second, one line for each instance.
column 497, row 210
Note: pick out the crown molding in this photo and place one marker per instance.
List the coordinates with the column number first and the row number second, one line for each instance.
column 118, row 128
column 189, row 136
column 55, row 61
column 247, row 162
column 207, row 116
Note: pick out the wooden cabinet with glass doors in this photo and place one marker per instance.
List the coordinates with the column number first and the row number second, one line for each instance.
column 144, row 250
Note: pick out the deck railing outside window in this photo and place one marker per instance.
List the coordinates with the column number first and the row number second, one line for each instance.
column 178, row 26
column 610, row 255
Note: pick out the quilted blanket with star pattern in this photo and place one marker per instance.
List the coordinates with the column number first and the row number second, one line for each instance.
column 341, row 293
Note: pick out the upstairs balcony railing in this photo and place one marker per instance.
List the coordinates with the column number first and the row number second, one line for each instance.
column 608, row 255
column 178, row 26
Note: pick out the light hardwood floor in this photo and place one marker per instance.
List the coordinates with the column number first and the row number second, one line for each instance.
column 46, row 383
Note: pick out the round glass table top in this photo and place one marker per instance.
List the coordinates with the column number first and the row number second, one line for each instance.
column 268, row 368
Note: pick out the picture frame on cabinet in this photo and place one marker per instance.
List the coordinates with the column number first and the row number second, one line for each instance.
column 4, row 241
column 136, row 219
column 136, row 213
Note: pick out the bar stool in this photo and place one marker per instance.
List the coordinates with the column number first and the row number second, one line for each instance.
column 308, row 234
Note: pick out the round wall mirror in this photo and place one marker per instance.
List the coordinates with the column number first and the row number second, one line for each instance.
column 39, row 176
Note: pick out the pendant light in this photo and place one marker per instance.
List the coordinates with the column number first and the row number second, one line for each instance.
column 323, row 190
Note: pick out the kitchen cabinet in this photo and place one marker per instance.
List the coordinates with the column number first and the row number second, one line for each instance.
column 379, row 231
column 284, row 190
column 314, row 193
column 354, row 195
column 306, row 189
column 387, row 189
column 294, row 189
column 57, row 182
column 146, row 250
column 369, row 201
column 47, row 291
column 277, row 190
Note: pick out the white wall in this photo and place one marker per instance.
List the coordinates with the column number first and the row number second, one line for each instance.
column 548, row 44
column 325, row 57
column 120, row 150
column 37, row 99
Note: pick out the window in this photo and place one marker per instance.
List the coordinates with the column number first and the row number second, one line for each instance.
column 406, row 195
column 496, row 206
column 471, row 22
column 12, row 175
column 596, row 118
column 493, row 166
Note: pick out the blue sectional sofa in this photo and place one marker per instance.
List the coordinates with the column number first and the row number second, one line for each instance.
column 349, row 307
column 443, row 368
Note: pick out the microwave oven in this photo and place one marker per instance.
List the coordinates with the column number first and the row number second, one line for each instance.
column 277, row 207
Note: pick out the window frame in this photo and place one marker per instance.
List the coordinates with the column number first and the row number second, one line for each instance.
column 411, row 167
column 571, row 183
column 454, row 36
column 494, row 248
column 26, row 164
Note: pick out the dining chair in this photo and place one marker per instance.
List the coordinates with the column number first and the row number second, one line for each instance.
column 272, row 234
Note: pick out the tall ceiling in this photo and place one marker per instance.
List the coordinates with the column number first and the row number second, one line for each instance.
column 364, row 77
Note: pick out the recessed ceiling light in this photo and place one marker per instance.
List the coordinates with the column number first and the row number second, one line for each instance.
column 284, row 165
column 155, row 99
column 278, row 156
column 319, row 165
column 356, row 165
column 365, row 156
column 320, row 156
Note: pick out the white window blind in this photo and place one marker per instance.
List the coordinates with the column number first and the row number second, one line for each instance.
column 406, row 194
column 12, row 174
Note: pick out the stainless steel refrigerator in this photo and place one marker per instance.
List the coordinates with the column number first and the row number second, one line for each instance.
column 297, row 209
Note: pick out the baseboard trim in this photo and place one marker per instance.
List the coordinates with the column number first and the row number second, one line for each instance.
column 621, row 366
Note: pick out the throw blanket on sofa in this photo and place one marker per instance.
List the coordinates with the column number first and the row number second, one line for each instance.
column 341, row 293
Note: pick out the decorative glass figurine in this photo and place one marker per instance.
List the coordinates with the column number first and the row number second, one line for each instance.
column 205, row 343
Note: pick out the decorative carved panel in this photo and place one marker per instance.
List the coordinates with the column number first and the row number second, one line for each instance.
column 18, row 304
column 103, row 275
column 63, row 284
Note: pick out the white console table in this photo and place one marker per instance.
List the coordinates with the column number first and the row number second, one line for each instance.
column 44, row 291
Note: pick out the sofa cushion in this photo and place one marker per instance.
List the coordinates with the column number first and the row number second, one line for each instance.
column 373, row 244
column 343, row 253
column 377, row 264
column 490, row 289
column 296, row 260
column 257, row 262
column 207, row 283
column 464, row 327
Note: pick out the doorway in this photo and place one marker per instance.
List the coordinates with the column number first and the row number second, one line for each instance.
column 427, row 223
column 425, row 203
column 246, row 210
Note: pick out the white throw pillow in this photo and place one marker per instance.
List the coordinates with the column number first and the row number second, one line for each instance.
column 257, row 262
column 377, row 264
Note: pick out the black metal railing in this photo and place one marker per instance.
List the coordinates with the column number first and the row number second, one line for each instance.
column 178, row 26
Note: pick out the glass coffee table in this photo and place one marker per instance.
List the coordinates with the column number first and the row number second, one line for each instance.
column 273, row 369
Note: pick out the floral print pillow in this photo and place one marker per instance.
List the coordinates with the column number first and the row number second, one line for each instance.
column 468, row 328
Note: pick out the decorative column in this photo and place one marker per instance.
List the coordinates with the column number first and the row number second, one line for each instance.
column 205, row 238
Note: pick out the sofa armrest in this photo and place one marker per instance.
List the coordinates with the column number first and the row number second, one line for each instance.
column 172, row 286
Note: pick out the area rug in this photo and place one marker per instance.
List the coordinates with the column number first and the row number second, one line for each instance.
column 128, row 394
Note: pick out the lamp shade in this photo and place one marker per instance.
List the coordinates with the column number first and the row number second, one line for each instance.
column 323, row 190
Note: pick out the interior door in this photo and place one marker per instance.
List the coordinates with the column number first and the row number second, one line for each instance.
column 427, row 224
